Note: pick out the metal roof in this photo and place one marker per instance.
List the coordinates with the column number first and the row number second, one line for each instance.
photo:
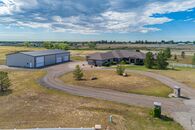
column 44, row 52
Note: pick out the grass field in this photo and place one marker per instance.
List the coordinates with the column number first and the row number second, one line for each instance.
column 85, row 52
column 131, row 84
column 31, row 106
column 186, row 60
column 78, row 58
column 9, row 49
column 186, row 76
column 181, row 74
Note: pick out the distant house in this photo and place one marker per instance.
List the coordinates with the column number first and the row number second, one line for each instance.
column 37, row 59
column 116, row 56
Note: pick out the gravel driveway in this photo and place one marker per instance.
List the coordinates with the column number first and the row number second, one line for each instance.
column 182, row 110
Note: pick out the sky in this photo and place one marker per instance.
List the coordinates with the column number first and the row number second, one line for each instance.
column 90, row 20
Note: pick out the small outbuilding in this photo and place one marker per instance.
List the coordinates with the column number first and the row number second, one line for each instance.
column 37, row 59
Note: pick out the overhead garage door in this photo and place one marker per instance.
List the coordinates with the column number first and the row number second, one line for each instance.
column 58, row 59
column 66, row 58
column 40, row 61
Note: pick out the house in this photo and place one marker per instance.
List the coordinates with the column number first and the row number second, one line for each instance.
column 37, row 59
column 116, row 56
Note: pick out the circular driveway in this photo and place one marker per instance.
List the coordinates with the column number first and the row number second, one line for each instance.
column 181, row 109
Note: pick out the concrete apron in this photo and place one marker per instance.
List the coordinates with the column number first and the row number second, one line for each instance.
column 186, row 118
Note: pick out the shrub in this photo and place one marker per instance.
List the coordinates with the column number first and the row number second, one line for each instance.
column 107, row 64
column 157, row 112
column 113, row 63
column 123, row 62
column 120, row 70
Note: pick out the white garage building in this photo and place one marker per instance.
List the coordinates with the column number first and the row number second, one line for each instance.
column 37, row 59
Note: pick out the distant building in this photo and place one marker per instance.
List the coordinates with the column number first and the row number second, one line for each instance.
column 116, row 56
column 37, row 59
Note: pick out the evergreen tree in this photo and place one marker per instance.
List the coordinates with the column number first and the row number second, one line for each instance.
column 4, row 81
column 78, row 73
column 120, row 69
column 162, row 61
column 149, row 61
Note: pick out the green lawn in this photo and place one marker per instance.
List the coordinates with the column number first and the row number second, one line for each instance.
column 135, row 67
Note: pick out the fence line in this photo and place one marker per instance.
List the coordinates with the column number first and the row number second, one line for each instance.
column 182, row 65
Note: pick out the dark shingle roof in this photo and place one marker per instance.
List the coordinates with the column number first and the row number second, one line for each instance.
column 44, row 52
column 117, row 54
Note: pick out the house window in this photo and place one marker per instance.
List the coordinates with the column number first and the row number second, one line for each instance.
column 132, row 60
column 115, row 59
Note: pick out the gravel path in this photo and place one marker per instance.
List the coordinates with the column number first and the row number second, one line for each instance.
column 182, row 110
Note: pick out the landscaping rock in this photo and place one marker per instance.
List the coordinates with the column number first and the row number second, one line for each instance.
column 125, row 74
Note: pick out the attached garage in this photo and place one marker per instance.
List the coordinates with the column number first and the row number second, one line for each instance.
column 37, row 59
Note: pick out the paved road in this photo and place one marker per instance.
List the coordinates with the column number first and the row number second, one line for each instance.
column 182, row 110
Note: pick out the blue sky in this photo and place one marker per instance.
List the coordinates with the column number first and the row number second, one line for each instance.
column 83, row 20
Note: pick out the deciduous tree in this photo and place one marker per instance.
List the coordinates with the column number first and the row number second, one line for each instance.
column 167, row 53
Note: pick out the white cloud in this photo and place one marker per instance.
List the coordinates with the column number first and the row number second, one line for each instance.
column 33, row 24
column 68, row 16
column 10, row 6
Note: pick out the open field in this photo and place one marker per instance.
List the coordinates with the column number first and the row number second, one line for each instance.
column 186, row 60
column 151, row 47
column 108, row 79
column 85, row 52
column 9, row 49
column 80, row 55
column 77, row 58
column 30, row 105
